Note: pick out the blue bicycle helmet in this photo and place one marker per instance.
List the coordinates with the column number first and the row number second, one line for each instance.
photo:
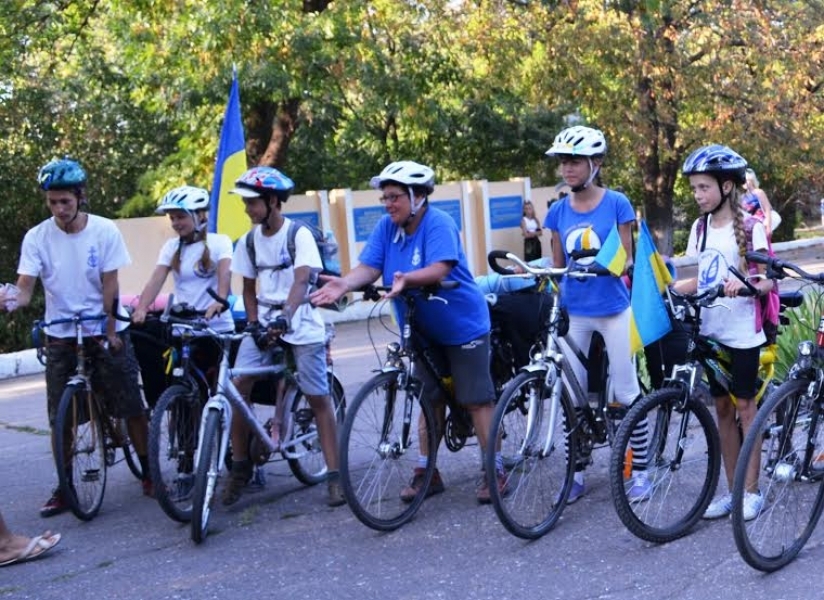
column 717, row 160
column 61, row 174
column 259, row 181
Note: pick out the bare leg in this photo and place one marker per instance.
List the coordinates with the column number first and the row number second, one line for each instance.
column 138, row 428
column 730, row 436
column 746, row 413
column 325, row 418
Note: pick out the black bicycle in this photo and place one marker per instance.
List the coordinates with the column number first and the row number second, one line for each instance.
column 681, row 468
column 379, row 439
column 780, row 470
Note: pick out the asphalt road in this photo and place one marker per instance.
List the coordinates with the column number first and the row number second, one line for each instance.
column 285, row 542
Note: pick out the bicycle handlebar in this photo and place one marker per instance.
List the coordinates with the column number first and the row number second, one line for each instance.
column 776, row 268
column 373, row 292
column 573, row 270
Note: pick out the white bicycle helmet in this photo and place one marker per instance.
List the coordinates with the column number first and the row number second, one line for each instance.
column 579, row 141
column 187, row 197
column 406, row 172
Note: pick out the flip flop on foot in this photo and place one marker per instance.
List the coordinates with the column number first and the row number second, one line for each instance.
column 36, row 548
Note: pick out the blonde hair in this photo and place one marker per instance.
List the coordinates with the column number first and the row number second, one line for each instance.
column 523, row 209
column 205, row 262
column 740, row 232
column 750, row 176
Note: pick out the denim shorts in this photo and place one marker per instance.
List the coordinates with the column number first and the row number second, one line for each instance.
column 115, row 376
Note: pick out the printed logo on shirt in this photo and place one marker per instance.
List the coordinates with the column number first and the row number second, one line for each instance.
column 202, row 272
column 93, row 260
column 416, row 257
column 582, row 239
column 711, row 271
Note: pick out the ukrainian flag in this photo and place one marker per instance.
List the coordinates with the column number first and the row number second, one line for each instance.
column 226, row 213
column 612, row 255
column 650, row 319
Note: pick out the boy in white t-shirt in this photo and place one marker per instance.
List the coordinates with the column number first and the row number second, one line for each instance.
column 77, row 256
column 276, row 306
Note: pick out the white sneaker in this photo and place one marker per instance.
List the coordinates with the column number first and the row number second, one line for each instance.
column 753, row 505
column 720, row 507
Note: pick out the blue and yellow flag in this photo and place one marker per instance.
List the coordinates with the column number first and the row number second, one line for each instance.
column 226, row 213
column 650, row 319
column 612, row 255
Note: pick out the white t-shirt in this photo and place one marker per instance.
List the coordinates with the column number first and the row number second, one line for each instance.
column 192, row 281
column 71, row 267
column 274, row 285
column 730, row 321
column 531, row 224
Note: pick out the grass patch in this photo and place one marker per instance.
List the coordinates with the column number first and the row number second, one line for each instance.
column 26, row 429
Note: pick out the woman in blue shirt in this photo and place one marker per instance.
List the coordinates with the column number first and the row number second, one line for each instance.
column 415, row 245
column 579, row 224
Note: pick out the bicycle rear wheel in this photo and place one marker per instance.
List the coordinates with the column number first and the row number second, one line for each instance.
column 792, row 487
column 538, row 475
column 173, row 434
column 128, row 448
column 683, row 464
column 379, row 452
column 305, row 457
column 207, row 472
column 80, row 451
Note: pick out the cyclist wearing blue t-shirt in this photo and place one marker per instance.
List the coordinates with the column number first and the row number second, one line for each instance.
column 415, row 245
column 580, row 223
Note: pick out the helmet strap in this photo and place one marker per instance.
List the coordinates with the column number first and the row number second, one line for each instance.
column 724, row 196
column 415, row 207
column 593, row 172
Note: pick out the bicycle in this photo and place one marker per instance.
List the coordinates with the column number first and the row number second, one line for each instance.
column 86, row 435
column 378, row 445
column 544, row 420
column 299, row 445
column 683, row 458
column 784, row 451
column 175, row 423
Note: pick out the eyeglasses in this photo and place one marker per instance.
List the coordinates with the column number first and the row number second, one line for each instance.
column 391, row 198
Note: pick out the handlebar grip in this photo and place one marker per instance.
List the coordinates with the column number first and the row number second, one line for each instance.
column 758, row 258
column 493, row 257
column 214, row 295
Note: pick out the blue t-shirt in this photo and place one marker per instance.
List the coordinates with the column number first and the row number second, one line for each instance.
column 591, row 296
column 464, row 317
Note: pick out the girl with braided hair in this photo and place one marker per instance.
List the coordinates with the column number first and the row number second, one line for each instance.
column 718, row 239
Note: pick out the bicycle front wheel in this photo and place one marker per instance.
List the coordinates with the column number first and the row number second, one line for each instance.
column 677, row 478
column 80, row 451
column 379, row 451
column 536, row 434
column 785, row 447
column 207, row 472
column 303, row 450
column 173, row 436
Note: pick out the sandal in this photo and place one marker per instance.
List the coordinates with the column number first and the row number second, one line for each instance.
column 37, row 547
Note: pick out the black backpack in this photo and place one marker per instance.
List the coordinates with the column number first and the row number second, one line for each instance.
column 328, row 249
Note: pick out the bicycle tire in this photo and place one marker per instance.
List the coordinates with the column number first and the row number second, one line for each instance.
column 306, row 459
column 537, row 484
column 207, row 473
column 80, row 452
column 173, row 437
column 684, row 462
column 794, row 497
column 375, row 464
column 127, row 448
